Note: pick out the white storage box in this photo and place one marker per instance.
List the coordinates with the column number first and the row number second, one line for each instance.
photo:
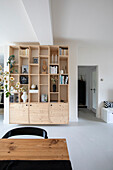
column 33, row 91
column 107, row 114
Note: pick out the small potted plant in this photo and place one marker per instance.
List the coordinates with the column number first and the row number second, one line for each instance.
column 11, row 62
column 54, row 80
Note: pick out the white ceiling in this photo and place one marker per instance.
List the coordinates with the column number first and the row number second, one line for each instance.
column 83, row 21
column 25, row 20
column 14, row 22
column 39, row 15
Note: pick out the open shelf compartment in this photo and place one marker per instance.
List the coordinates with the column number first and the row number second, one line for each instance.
column 54, row 59
column 44, row 51
column 63, row 65
column 43, row 79
column 54, row 97
column 33, row 97
column 16, row 79
column 43, row 93
column 15, row 51
column 33, row 80
column 43, row 66
column 34, row 54
column 54, row 81
column 24, row 51
column 64, row 94
column 33, row 69
column 24, row 69
column 63, row 51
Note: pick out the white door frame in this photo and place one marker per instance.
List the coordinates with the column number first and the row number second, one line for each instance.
column 91, row 96
column 97, row 94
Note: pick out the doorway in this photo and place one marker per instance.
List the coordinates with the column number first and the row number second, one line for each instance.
column 88, row 89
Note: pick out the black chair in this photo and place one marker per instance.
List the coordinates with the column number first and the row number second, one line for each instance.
column 26, row 131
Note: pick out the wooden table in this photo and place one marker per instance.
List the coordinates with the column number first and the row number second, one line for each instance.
column 33, row 149
column 29, row 154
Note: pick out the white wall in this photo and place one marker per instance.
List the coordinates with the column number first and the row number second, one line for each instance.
column 103, row 58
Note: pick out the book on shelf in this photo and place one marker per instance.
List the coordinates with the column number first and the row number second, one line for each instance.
column 53, row 69
column 63, row 79
column 66, row 80
column 63, row 51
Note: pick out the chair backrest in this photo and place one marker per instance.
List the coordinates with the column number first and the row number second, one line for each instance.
column 26, row 131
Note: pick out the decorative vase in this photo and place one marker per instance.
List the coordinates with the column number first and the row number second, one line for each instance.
column 24, row 97
column 33, row 86
column 54, row 87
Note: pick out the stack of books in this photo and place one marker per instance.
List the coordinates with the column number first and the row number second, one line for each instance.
column 63, row 51
column 63, row 79
column 53, row 69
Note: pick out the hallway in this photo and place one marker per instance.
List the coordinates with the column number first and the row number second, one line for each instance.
column 85, row 114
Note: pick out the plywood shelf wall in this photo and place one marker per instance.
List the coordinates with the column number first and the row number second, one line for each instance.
column 30, row 59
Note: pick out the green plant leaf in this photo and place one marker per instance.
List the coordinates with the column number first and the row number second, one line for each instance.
column 8, row 94
column 6, row 86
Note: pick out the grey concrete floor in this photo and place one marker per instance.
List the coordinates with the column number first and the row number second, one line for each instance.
column 90, row 141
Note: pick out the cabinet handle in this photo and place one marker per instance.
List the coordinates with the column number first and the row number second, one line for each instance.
column 30, row 104
column 26, row 105
column 51, row 104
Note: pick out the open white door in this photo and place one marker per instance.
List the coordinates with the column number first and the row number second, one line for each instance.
column 93, row 90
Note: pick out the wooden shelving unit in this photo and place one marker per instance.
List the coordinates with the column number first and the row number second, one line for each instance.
column 50, row 104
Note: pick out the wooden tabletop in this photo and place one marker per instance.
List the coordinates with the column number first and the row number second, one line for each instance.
column 33, row 149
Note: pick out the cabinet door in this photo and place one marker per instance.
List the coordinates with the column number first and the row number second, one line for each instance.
column 38, row 113
column 18, row 113
column 58, row 113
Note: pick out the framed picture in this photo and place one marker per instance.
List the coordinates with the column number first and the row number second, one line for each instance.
column 23, row 79
column 44, row 98
column 25, row 69
column 35, row 60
